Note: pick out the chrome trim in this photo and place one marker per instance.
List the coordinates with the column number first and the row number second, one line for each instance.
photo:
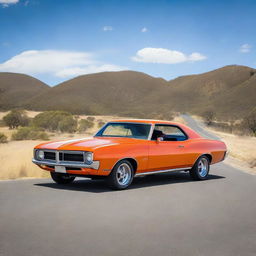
column 95, row 165
column 57, row 154
column 174, row 125
column 57, row 161
column 162, row 171
column 57, row 157
column 151, row 131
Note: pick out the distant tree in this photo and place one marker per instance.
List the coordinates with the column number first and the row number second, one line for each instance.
column 85, row 124
column 208, row 117
column 250, row 121
column 68, row 124
column 16, row 118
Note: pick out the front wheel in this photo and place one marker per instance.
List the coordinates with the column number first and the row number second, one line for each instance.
column 201, row 168
column 121, row 176
column 62, row 178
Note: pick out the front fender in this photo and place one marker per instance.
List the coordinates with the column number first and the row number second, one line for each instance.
column 108, row 156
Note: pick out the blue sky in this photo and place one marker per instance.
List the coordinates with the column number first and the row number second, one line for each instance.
column 57, row 40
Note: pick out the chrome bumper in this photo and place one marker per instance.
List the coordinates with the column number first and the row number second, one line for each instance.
column 95, row 165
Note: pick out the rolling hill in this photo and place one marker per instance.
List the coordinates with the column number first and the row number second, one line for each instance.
column 229, row 91
column 17, row 89
column 103, row 93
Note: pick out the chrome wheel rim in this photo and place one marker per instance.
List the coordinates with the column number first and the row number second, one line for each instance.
column 203, row 167
column 123, row 174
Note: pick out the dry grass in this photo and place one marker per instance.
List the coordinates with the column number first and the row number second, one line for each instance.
column 15, row 156
column 242, row 149
column 15, row 159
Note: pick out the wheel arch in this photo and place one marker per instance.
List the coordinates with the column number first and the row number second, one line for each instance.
column 132, row 161
column 208, row 155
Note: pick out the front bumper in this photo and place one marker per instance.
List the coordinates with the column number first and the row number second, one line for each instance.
column 95, row 164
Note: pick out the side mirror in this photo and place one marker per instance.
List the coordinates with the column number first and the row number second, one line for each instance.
column 159, row 139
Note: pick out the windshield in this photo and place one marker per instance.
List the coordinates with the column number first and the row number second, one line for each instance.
column 127, row 130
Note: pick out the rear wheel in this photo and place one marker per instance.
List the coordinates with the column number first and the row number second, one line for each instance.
column 62, row 178
column 201, row 168
column 121, row 176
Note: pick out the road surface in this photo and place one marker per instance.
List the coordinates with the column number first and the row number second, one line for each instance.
column 167, row 214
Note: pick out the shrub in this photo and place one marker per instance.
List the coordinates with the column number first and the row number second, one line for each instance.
column 3, row 138
column 50, row 120
column 29, row 133
column 16, row 118
column 90, row 118
column 68, row 124
column 85, row 124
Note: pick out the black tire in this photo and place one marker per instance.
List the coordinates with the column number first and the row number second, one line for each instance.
column 62, row 178
column 114, row 180
column 201, row 169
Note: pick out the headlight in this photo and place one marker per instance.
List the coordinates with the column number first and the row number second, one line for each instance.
column 40, row 154
column 88, row 157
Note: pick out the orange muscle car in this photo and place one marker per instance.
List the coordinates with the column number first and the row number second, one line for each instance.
column 123, row 149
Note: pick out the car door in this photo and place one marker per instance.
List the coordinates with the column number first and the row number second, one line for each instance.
column 170, row 153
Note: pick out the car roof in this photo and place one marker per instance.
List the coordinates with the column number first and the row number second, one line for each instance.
column 145, row 121
column 189, row 132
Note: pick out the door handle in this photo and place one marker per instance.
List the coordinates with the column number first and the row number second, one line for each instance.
column 180, row 146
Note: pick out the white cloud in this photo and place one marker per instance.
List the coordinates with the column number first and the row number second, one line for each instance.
column 196, row 56
column 107, row 28
column 244, row 48
column 165, row 56
column 144, row 30
column 56, row 63
column 6, row 3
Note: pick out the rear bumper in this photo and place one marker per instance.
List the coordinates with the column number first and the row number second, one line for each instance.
column 95, row 165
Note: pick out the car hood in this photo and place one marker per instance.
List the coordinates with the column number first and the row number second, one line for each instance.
column 85, row 144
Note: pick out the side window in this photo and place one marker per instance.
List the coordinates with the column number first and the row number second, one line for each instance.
column 169, row 133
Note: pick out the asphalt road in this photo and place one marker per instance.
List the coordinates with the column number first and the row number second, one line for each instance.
column 167, row 214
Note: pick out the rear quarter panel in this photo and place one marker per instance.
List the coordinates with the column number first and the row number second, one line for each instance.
column 197, row 147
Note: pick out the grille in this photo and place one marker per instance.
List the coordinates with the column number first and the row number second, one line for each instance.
column 49, row 155
column 71, row 157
